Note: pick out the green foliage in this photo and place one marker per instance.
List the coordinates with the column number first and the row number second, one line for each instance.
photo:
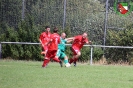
column 67, row 30
column 85, row 54
column 9, row 36
column 81, row 16
column 26, row 32
column 120, row 38
column 97, row 54
column 10, row 12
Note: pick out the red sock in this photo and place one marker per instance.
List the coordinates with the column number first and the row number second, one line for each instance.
column 56, row 59
column 45, row 62
column 75, row 59
column 71, row 60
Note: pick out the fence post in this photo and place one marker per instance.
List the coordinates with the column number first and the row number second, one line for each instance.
column 105, row 24
column 91, row 60
column 23, row 9
column 0, row 50
column 64, row 18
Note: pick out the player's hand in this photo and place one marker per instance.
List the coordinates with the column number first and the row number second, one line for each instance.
column 43, row 52
column 90, row 42
column 43, row 45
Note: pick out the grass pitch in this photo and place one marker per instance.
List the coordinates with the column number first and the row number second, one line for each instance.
column 30, row 74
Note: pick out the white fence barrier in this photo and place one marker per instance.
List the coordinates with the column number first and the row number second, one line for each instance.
column 91, row 46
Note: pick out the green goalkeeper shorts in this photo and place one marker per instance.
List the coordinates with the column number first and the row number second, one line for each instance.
column 60, row 54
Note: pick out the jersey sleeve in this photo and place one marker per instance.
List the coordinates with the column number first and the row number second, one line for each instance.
column 76, row 37
column 59, row 40
column 41, row 36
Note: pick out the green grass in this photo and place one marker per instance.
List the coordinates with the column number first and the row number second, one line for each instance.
column 29, row 74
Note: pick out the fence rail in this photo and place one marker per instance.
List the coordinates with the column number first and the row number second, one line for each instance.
column 30, row 43
column 91, row 46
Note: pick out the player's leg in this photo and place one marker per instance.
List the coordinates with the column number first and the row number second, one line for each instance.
column 44, row 50
column 65, row 58
column 45, row 62
column 58, row 54
column 74, row 51
column 71, row 59
column 76, row 54
column 49, row 54
column 46, row 59
column 75, row 57
column 61, row 58
column 56, row 58
column 66, row 61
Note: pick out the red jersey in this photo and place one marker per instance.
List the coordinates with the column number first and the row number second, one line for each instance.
column 79, row 41
column 55, row 40
column 45, row 37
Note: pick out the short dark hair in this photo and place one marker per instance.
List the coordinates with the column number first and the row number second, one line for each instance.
column 55, row 30
column 47, row 27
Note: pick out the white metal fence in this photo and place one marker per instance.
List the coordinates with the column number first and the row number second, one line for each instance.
column 91, row 47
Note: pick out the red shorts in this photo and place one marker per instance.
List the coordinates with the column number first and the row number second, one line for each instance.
column 75, row 50
column 51, row 53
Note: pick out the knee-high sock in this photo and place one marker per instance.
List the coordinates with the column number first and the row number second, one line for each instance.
column 45, row 62
column 65, row 61
column 56, row 59
column 71, row 60
column 75, row 59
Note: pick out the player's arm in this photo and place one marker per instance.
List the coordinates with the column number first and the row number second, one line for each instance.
column 40, row 40
column 69, row 39
column 48, row 42
column 88, row 42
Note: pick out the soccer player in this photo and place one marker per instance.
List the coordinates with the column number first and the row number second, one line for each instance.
column 61, row 50
column 52, row 48
column 78, row 42
column 44, row 39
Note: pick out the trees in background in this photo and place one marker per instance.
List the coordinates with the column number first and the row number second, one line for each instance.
column 120, row 38
column 81, row 16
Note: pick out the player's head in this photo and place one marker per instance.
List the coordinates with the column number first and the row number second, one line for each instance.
column 47, row 29
column 63, row 35
column 55, row 30
column 84, row 35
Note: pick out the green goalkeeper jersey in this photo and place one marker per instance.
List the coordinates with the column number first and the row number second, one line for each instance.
column 62, row 45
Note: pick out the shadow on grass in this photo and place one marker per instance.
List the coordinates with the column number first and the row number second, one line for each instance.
column 131, row 80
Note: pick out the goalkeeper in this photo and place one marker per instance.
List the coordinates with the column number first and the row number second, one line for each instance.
column 61, row 50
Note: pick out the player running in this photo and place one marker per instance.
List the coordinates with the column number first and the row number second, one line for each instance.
column 52, row 48
column 78, row 42
column 44, row 39
column 61, row 50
